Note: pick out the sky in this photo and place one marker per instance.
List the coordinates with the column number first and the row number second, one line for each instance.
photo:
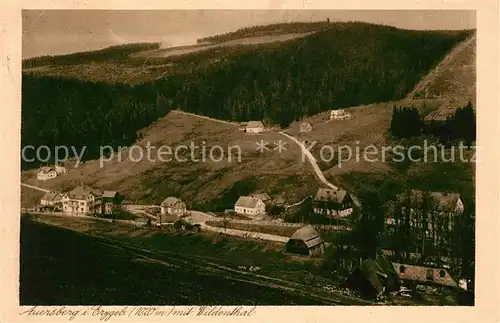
column 56, row 32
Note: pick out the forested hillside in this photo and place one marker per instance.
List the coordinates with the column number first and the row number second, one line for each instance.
column 353, row 64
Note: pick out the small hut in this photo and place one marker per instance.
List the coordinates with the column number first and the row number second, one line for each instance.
column 306, row 241
column 305, row 127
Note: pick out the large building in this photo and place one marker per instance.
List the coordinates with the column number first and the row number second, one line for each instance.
column 248, row 205
column 82, row 200
column 332, row 203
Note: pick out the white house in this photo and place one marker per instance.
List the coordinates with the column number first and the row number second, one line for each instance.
column 46, row 173
column 82, row 200
column 339, row 114
column 255, row 127
column 173, row 206
column 250, row 206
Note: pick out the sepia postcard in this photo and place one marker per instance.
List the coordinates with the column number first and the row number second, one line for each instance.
column 259, row 161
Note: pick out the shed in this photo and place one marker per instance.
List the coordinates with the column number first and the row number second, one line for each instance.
column 306, row 241
column 305, row 127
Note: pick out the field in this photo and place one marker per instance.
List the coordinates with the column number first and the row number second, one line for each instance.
column 100, row 263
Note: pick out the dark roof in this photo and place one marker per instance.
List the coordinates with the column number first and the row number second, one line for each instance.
column 247, row 201
column 419, row 274
column 82, row 191
column 330, row 195
column 109, row 194
column 309, row 235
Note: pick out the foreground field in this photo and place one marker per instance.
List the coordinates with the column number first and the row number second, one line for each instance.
column 102, row 263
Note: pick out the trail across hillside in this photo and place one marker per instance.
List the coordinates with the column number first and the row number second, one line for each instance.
column 312, row 160
column 35, row 187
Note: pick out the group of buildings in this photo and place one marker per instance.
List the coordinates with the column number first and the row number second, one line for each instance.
column 81, row 200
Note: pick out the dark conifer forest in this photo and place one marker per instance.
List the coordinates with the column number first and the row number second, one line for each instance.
column 408, row 123
column 347, row 65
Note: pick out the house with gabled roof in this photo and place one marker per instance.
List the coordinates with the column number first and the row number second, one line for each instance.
column 255, row 127
column 51, row 199
column 306, row 241
column 248, row 205
column 333, row 203
column 420, row 275
column 82, row 200
column 172, row 208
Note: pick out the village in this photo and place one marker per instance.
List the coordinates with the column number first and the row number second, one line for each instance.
column 259, row 217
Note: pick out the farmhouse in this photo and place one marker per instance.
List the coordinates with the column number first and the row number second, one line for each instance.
column 250, row 206
column 52, row 199
column 305, row 127
column 82, row 200
column 46, row 173
column 418, row 275
column 306, row 241
column 255, row 127
column 332, row 203
column 339, row 114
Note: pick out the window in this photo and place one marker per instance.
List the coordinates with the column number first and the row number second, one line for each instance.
column 402, row 268
column 442, row 273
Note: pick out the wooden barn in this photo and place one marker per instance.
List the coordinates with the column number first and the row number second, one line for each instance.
column 306, row 241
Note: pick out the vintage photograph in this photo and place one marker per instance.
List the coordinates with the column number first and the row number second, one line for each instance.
column 248, row 157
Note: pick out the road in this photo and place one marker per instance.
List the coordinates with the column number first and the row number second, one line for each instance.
column 312, row 160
